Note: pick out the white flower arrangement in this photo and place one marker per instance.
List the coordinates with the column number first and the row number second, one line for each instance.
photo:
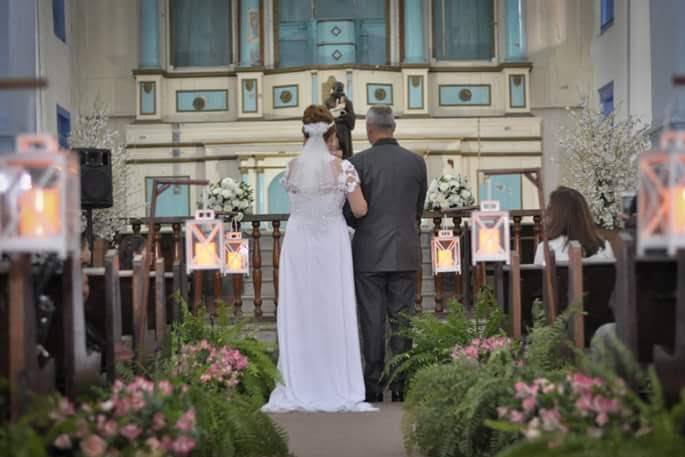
column 600, row 160
column 227, row 195
column 449, row 191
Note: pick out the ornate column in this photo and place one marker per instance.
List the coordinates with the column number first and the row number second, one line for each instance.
column 413, row 31
column 514, row 30
column 251, row 33
column 148, row 34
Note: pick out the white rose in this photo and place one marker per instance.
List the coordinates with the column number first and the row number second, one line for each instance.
column 226, row 193
column 226, row 182
column 465, row 193
column 443, row 186
column 244, row 204
column 216, row 191
column 443, row 203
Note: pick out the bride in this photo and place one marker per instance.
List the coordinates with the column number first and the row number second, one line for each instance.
column 318, row 342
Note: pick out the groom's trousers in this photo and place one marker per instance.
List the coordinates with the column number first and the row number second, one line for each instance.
column 381, row 295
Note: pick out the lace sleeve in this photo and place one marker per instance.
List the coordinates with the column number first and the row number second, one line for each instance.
column 349, row 178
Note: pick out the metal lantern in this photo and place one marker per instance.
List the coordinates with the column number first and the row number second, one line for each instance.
column 40, row 198
column 661, row 195
column 204, row 242
column 446, row 252
column 236, row 253
column 490, row 233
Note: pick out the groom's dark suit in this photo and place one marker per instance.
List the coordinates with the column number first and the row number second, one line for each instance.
column 386, row 250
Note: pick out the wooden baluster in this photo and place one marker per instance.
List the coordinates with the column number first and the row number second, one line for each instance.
column 176, row 237
column 575, row 291
column 439, row 306
column 276, row 258
column 517, row 234
column 546, row 292
column 157, row 247
column 257, row 269
column 467, row 268
column 197, row 291
column 515, row 295
column 458, row 286
column 113, row 328
column 160, row 304
column 537, row 229
column 179, row 278
column 419, row 276
column 237, row 289
column 625, row 308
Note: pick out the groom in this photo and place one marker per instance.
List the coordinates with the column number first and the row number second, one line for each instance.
column 386, row 245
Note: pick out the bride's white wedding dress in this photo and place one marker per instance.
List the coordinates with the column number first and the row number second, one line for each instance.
column 318, row 342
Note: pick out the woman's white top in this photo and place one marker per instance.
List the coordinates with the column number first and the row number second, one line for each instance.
column 560, row 248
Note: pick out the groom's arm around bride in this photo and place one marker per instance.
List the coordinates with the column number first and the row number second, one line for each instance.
column 386, row 243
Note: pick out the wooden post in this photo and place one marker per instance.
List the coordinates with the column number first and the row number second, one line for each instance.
column 177, row 240
column 160, row 304
column 537, row 229
column 81, row 366
column 197, row 291
column 437, row 278
column 466, row 268
column 139, row 308
column 515, row 294
column 517, row 234
column 625, row 307
column 218, row 291
column 575, row 291
column 237, row 289
column 112, row 312
column 178, row 269
column 548, row 289
column 499, row 284
column 257, row 269
column 276, row 259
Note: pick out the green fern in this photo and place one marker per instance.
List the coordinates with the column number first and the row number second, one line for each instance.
column 547, row 346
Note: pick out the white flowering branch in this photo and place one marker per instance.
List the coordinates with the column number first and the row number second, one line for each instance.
column 600, row 159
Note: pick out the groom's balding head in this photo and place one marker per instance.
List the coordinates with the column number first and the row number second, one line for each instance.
column 380, row 123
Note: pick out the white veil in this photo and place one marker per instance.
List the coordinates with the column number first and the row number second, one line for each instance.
column 312, row 171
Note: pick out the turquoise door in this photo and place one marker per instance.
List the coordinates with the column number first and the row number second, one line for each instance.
column 278, row 197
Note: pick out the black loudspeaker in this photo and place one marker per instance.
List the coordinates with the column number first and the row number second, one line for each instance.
column 96, row 177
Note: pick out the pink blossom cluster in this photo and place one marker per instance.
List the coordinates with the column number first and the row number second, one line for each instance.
column 143, row 415
column 579, row 403
column 480, row 349
column 222, row 365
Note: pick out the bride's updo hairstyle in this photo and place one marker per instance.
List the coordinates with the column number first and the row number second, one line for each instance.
column 318, row 113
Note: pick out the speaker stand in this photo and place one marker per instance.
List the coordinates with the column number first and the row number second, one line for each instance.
column 89, row 232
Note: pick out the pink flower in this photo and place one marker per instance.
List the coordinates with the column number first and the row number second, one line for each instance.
column 584, row 384
column 471, row 352
column 516, row 417
column 122, row 407
column 551, row 419
column 502, row 411
column 137, row 401
column 158, row 422
column 205, row 377
column 605, row 405
column 183, row 445
column 130, row 432
column 186, row 422
column 584, row 404
column 153, row 443
column 529, row 404
column 63, row 442
column 108, row 428
column 166, row 387
column 93, row 446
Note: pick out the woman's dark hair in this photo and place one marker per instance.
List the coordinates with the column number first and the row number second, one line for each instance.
column 569, row 215
column 318, row 113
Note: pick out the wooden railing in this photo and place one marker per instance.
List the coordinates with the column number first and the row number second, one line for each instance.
column 254, row 227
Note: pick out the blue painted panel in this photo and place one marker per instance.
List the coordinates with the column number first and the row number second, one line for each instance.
column 201, row 100
column 515, row 32
column 315, row 88
column 148, row 30
column 371, row 48
column 464, row 95
column 59, row 21
column 249, row 96
column 606, row 98
column 517, row 91
column 173, row 202
column 63, row 126
column 331, row 54
column 379, row 94
column 329, row 32
column 414, row 34
column 295, row 43
column 250, row 33
column 415, row 88
column 278, row 196
column 148, row 96
column 505, row 188
column 286, row 96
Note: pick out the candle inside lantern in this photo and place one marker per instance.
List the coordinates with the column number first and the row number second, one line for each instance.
column 488, row 241
column 234, row 261
column 445, row 258
column 205, row 254
column 39, row 213
column 678, row 209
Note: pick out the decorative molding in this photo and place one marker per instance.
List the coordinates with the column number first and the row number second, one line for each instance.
column 415, row 82
column 250, row 93
column 465, row 94
column 287, row 96
column 200, row 101
column 147, row 87
column 379, row 94
column 517, row 82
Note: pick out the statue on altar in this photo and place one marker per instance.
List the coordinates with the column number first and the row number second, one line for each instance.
column 343, row 112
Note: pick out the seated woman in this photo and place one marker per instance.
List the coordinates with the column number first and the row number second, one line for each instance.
column 569, row 219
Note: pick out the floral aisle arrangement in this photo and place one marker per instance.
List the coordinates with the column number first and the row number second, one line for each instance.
column 449, row 191
column 140, row 418
column 480, row 350
column 600, row 159
column 222, row 366
column 227, row 195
